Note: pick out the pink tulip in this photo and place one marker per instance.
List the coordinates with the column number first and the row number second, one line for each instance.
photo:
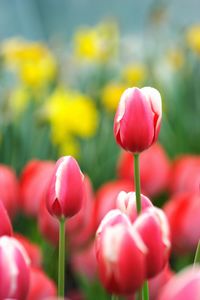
column 153, row 228
column 65, row 191
column 137, row 120
column 154, row 169
column 41, row 286
column 34, row 181
column 183, row 211
column 185, row 175
column 14, row 269
column 33, row 250
column 120, row 254
column 5, row 224
column 183, row 286
column 9, row 189
column 126, row 202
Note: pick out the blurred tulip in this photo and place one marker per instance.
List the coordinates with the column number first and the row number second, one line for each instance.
column 137, row 120
column 65, row 191
column 183, row 286
column 153, row 228
column 14, row 275
column 120, row 254
column 126, row 202
column 9, row 189
column 106, row 199
column 5, row 224
column 183, row 213
column 34, row 181
column 185, row 175
column 83, row 262
column 33, row 250
column 41, row 286
column 154, row 169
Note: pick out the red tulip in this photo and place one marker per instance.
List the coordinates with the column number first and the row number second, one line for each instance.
column 154, row 169
column 185, row 175
column 33, row 250
column 106, row 199
column 183, row 286
column 33, row 184
column 153, row 228
column 126, row 202
column 41, row 287
column 120, row 254
column 65, row 191
column 5, row 224
column 183, row 211
column 14, row 269
column 9, row 189
column 137, row 120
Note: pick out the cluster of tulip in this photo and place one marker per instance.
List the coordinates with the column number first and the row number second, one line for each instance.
column 120, row 233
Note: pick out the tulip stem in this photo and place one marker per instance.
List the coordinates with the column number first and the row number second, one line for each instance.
column 137, row 182
column 61, row 259
column 145, row 289
column 114, row 297
column 197, row 255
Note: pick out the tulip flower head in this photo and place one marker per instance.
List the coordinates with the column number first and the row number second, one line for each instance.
column 5, row 224
column 137, row 120
column 65, row 192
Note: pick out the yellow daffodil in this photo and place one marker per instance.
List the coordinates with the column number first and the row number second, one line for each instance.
column 193, row 38
column 19, row 99
column 111, row 95
column 69, row 146
column 134, row 74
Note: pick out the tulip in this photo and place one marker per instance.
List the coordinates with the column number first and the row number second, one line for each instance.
column 154, row 169
column 153, row 228
column 34, row 181
column 183, row 286
column 14, row 266
column 33, row 251
column 126, row 202
column 120, row 254
column 137, row 120
column 183, row 213
column 9, row 190
column 5, row 224
column 65, row 191
column 41, row 286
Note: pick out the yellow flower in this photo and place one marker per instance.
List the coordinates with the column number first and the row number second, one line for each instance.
column 134, row 74
column 97, row 43
column 69, row 147
column 71, row 113
column 193, row 38
column 19, row 99
column 111, row 95
column 176, row 58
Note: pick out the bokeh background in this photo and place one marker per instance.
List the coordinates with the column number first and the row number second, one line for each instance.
column 63, row 68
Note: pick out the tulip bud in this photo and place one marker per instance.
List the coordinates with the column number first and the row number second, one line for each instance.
column 5, row 224
column 137, row 120
column 126, row 202
column 65, row 191
column 120, row 254
column 14, row 275
column 153, row 228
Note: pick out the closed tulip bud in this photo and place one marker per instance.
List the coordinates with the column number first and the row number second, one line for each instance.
column 137, row 120
column 14, row 275
column 5, row 224
column 65, row 191
column 126, row 202
column 153, row 228
column 120, row 254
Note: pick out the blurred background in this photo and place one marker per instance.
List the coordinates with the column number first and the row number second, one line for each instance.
column 63, row 68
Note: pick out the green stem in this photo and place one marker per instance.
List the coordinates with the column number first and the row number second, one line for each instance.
column 144, row 293
column 197, row 255
column 114, row 297
column 61, row 259
column 137, row 182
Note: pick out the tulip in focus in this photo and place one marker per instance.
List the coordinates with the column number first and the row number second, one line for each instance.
column 138, row 118
column 120, row 254
column 65, row 191
column 14, row 266
column 5, row 224
column 183, row 286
